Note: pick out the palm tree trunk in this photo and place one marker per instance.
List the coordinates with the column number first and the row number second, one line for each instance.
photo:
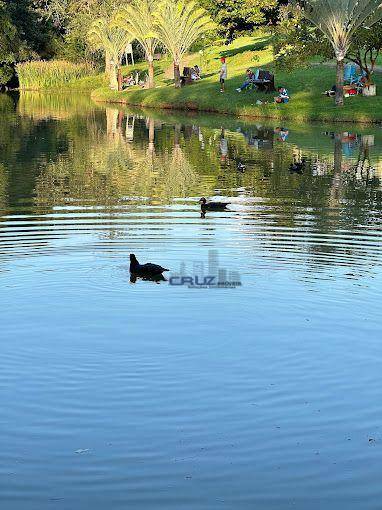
column 113, row 81
column 151, row 72
column 107, row 63
column 177, row 74
column 119, row 78
column 340, row 82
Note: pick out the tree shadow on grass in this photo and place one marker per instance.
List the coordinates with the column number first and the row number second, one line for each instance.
column 257, row 46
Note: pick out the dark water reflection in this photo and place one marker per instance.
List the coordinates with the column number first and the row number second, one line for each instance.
column 136, row 393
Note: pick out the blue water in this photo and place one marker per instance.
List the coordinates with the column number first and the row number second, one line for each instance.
column 155, row 396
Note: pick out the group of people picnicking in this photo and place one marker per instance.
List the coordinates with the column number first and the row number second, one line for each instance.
column 354, row 81
column 134, row 79
column 196, row 73
column 253, row 80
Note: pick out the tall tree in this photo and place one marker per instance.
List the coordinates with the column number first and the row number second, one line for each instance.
column 104, row 36
column 295, row 41
column 339, row 20
column 8, row 35
column 366, row 47
column 138, row 18
column 23, row 34
column 179, row 24
column 73, row 19
column 235, row 16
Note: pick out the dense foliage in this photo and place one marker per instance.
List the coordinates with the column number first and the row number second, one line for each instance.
column 366, row 47
column 237, row 16
column 296, row 40
column 42, row 29
column 24, row 33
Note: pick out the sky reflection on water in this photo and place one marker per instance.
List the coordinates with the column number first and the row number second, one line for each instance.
column 154, row 396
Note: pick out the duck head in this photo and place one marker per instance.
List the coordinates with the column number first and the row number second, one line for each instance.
column 133, row 258
column 203, row 201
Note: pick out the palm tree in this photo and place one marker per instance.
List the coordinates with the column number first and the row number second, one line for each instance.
column 103, row 35
column 338, row 20
column 138, row 19
column 179, row 24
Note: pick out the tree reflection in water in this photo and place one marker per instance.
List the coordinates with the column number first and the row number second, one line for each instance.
column 63, row 152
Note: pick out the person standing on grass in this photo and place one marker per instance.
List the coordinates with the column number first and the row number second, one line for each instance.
column 223, row 74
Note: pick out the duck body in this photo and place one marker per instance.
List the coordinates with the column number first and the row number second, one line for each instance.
column 212, row 206
column 148, row 269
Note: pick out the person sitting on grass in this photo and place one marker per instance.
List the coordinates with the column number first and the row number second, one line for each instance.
column 250, row 76
column 144, row 82
column 283, row 96
column 331, row 92
column 195, row 73
column 129, row 80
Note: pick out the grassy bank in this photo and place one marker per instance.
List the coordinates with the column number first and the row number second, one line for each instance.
column 61, row 75
column 305, row 87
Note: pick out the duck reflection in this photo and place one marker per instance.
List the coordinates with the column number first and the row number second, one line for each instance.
column 158, row 278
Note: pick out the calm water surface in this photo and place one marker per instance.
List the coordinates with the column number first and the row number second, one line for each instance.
column 151, row 396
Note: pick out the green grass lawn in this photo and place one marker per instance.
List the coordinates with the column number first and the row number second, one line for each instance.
column 304, row 85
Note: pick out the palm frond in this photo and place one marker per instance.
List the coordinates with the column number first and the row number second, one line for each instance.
column 138, row 20
column 339, row 19
column 179, row 25
column 103, row 35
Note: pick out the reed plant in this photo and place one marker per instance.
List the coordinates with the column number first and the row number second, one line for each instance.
column 41, row 74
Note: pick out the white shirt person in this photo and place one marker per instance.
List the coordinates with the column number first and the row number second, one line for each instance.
column 223, row 74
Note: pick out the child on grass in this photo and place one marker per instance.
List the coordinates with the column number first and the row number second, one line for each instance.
column 223, row 74
column 283, row 96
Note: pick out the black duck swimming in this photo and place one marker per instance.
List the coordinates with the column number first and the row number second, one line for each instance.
column 212, row 206
column 148, row 269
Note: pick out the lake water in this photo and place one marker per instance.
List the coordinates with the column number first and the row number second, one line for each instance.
column 145, row 395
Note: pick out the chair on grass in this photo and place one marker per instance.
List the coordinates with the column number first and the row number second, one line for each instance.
column 265, row 81
column 186, row 78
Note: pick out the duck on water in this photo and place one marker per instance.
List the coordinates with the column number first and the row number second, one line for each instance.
column 212, row 206
column 145, row 270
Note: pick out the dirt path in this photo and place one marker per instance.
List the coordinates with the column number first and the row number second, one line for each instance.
column 331, row 63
